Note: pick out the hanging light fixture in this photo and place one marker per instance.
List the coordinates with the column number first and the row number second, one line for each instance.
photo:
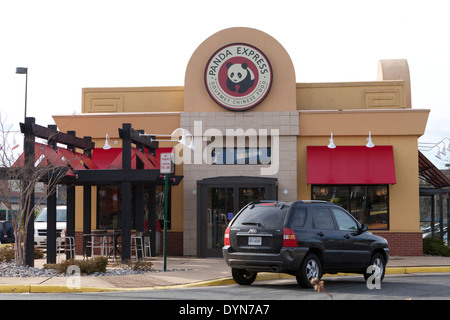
column 331, row 145
column 438, row 154
column 107, row 146
column 183, row 135
column 369, row 141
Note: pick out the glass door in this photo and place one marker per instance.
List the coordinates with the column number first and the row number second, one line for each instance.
column 219, row 200
column 219, row 210
column 249, row 194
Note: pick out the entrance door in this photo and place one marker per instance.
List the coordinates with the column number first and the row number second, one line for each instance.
column 218, row 201
column 219, row 209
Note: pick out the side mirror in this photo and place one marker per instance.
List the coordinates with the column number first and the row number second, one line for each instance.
column 364, row 228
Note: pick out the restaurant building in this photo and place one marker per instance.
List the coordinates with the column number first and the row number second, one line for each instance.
column 256, row 134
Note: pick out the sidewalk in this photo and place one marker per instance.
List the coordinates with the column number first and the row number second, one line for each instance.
column 189, row 271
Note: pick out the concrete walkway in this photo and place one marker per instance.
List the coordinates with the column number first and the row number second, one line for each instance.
column 184, row 271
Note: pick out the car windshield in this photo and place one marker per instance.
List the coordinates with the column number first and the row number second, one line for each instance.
column 61, row 215
column 266, row 215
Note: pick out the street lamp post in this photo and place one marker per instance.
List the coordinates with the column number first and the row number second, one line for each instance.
column 21, row 70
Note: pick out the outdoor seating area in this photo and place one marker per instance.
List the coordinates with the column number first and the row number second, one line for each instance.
column 106, row 243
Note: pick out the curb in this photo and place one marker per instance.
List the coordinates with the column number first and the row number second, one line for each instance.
column 28, row 288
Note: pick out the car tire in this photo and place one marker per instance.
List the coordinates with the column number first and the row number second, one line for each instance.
column 243, row 277
column 378, row 261
column 311, row 268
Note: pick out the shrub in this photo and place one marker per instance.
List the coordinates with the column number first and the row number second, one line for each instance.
column 7, row 253
column 38, row 253
column 435, row 247
column 88, row 266
column 143, row 266
column 136, row 265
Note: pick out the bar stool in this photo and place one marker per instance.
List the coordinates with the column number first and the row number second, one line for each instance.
column 95, row 241
column 140, row 241
column 146, row 238
column 108, row 245
column 63, row 244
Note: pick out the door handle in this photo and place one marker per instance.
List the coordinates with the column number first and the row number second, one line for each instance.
column 320, row 233
column 346, row 236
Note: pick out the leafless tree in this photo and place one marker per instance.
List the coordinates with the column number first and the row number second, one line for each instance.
column 18, row 181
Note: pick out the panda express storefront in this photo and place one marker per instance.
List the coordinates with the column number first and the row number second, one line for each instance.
column 254, row 133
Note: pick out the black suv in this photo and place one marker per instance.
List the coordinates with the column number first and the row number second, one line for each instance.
column 301, row 238
column 6, row 232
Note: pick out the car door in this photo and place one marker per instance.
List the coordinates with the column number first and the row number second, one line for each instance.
column 355, row 244
column 325, row 232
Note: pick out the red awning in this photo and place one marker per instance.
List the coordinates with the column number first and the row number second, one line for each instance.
column 112, row 158
column 350, row 165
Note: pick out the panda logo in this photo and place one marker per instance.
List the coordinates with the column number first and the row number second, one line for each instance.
column 240, row 77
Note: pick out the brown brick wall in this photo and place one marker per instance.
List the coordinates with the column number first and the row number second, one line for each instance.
column 403, row 243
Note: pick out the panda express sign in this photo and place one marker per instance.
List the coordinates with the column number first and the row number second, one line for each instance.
column 238, row 76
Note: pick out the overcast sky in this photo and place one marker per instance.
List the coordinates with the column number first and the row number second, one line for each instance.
column 69, row 45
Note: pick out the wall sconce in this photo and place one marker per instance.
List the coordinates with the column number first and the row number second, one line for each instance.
column 439, row 152
column 427, row 146
column 369, row 141
column 107, row 146
column 182, row 140
column 331, row 145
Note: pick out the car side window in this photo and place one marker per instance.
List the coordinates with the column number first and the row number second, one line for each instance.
column 322, row 219
column 344, row 221
column 298, row 217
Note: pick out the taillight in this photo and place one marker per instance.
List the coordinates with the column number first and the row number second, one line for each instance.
column 226, row 237
column 289, row 239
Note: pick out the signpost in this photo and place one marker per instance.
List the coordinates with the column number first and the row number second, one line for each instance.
column 166, row 168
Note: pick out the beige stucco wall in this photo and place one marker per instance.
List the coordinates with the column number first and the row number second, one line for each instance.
column 282, row 92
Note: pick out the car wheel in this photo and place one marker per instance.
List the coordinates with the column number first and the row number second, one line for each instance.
column 311, row 268
column 377, row 261
column 243, row 277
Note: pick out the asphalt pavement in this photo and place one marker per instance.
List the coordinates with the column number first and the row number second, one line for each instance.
column 184, row 272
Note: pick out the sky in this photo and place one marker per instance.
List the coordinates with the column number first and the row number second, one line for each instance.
column 69, row 45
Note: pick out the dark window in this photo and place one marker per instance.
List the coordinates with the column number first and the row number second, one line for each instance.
column 298, row 217
column 322, row 219
column 344, row 221
column 241, row 156
column 109, row 207
column 266, row 215
column 369, row 204
column 160, row 194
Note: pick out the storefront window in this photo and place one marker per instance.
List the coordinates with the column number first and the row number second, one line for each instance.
column 108, row 207
column 159, row 194
column 367, row 203
column 241, row 156
column 109, row 201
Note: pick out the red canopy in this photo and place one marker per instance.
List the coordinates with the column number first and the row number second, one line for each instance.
column 350, row 165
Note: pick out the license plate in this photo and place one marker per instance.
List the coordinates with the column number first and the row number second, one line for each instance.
column 254, row 241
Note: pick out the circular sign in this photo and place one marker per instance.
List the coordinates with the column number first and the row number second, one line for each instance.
column 238, row 76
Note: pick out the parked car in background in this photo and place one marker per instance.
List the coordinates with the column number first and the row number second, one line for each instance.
column 6, row 232
column 40, row 225
column 301, row 238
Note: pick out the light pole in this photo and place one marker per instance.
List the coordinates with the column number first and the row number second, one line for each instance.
column 21, row 70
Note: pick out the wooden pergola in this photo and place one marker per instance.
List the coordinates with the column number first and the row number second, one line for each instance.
column 81, row 170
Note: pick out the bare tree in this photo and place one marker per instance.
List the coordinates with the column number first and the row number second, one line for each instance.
column 18, row 180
